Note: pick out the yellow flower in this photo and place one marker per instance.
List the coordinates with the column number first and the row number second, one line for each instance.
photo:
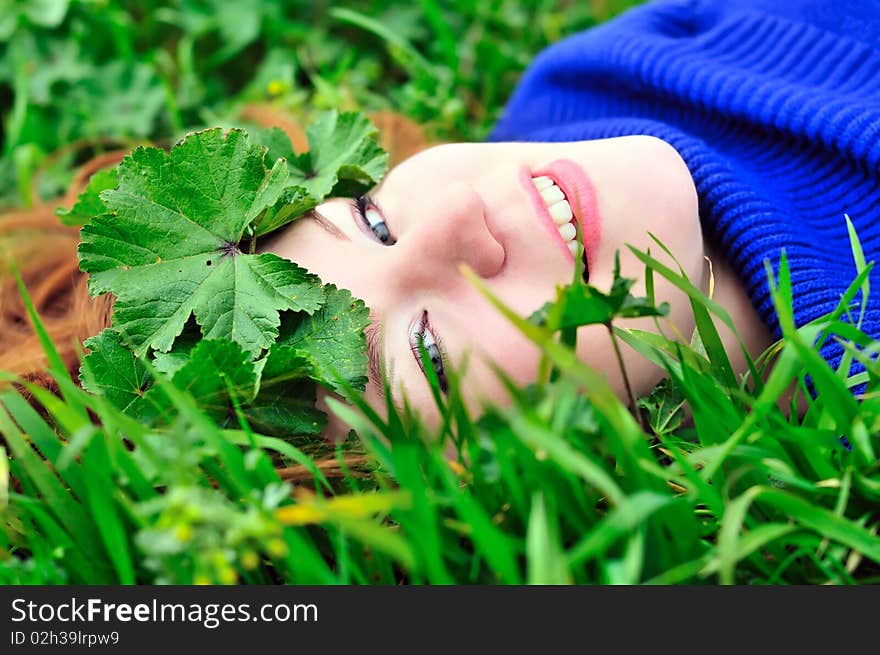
column 276, row 547
column 227, row 575
column 183, row 532
column 249, row 560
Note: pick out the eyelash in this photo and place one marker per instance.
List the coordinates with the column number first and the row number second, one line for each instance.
column 362, row 204
column 425, row 326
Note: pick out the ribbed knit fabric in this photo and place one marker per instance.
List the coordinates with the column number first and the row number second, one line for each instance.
column 773, row 104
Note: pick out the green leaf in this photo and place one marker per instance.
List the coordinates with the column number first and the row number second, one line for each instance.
column 286, row 409
column 539, row 316
column 57, row 62
column 122, row 98
column 42, row 13
column 581, row 305
column 112, row 370
column 278, row 144
column 286, row 363
column 236, row 23
column 211, row 364
column 664, row 406
column 171, row 362
column 584, row 304
column 278, row 201
column 89, row 203
column 173, row 246
column 292, row 203
column 285, row 403
column 270, row 190
column 331, row 337
column 343, row 156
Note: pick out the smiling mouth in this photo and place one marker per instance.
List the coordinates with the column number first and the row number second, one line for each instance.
column 560, row 211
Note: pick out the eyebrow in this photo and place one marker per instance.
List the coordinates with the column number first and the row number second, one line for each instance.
column 328, row 225
column 376, row 350
column 376, row 355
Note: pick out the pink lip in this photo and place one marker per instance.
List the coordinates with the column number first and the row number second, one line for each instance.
column 581, row 195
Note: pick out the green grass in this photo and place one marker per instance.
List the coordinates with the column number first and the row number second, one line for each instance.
column 562, row 486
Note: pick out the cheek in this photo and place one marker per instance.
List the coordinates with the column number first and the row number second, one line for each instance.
column 648, row 188
column 676, row 219
column 511, row 350
column 675, row 222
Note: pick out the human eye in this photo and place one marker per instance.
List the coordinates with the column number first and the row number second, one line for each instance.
column 371, row 219
column 423, row 333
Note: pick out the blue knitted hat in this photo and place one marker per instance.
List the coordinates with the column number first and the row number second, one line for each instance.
column 773, row 105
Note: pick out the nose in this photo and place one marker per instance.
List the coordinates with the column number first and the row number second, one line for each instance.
column 451, row 228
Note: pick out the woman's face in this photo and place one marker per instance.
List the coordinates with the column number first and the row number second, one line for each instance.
column 479, row 203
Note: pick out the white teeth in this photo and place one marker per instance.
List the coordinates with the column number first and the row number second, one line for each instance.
column 552, row 194
column 561, row 212
column 567, row 231
column 542, row 182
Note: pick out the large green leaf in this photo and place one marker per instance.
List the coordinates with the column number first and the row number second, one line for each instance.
column 215, row 368
column 332, row 337
column 286, row 409
column 113, row 370
column 343, row 155
column 172, row 245
column 89, row 203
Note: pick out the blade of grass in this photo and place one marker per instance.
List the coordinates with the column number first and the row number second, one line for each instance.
column 56, row 364
column 545, row 561
column 391, row 38
column 747, row 544
column 86, row 569
column 859, row 259
column 633, row 511
column 422, row 517
column 497, row 548
column 447, row 39
column 700, row 306
column 62, row 504
column 540, row 438
column 99, row 482
column 42, row 436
